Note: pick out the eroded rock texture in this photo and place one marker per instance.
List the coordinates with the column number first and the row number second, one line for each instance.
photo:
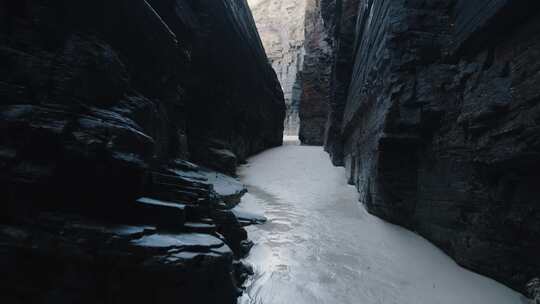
column 440, row 128
column 316, row 73
column 346, row 18
column 235, row 96
column 102, row 104
column 281, row 26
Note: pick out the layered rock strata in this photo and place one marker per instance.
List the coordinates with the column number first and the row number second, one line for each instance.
column 316, row 72
column 281, row 26
column 440, row 130
column 234, row 100
column 346, row 20
column 102, row 104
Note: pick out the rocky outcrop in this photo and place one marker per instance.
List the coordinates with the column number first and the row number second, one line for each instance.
column 281, row 26
column 150, row 251
column 316, row 73
column 102, row 104
column 440, row 130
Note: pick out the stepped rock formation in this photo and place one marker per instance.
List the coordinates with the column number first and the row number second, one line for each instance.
column 281, row 26
column 103, row 105
column 435, row 113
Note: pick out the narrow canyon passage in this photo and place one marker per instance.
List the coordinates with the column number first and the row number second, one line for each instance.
column 141, row 141
column 320, row 246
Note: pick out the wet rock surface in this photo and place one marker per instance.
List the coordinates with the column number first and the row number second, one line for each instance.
column 438, row 130
column 102, row 106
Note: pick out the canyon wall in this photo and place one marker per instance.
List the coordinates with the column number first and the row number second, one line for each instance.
column 316, row 72
column 439, row 129
column 281, row 26
column 103, row 105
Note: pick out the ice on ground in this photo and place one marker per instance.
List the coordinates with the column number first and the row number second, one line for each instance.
column 320, row 245
column 199, row 225
column 248, row 217
column 188, row 240
column 224, row 185
column 155, row 202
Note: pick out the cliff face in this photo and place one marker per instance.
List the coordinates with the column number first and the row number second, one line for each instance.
column 281, row 26
column 346, row 20
column 316, row 73
column 235, row 97
column 102, row 104
column 440, row 129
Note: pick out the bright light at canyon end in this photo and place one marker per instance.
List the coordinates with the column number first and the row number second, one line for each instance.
column 281, row 27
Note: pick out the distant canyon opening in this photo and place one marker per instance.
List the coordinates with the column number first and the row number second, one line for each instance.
column 299, row 37
column 281, row 26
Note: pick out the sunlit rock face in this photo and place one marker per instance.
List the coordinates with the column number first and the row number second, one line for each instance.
column 281, row 27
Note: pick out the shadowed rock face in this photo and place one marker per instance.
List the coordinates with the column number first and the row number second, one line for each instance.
column 439, row 129
column 234, row 97
column 316, row 73
column 102, row 104
column 343, row 63
column 281, row 26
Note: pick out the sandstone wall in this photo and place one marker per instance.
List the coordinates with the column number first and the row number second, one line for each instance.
column 440, row 126
column 281, row 26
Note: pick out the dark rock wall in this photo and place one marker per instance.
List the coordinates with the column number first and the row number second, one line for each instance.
column 83, row 89
column 121, row 80
column 346, row 18
column 440, row 130
column 234, row 101
column 101, row 103
column 235, row 96
column 316, row 73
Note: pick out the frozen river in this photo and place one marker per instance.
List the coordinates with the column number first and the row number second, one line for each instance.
column 320, row 245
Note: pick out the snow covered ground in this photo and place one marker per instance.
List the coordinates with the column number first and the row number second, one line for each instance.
column 320, row 245
column 229, row 188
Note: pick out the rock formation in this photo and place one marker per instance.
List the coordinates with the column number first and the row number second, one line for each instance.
column 281, row 26
column 316, row 74
column 102, row 105
column 434, row 112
